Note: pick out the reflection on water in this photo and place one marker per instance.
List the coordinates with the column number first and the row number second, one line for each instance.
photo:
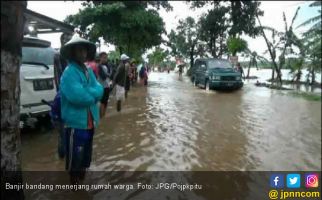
column 173, row 126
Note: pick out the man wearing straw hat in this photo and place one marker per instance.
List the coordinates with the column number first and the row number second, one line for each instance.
column 80, row 93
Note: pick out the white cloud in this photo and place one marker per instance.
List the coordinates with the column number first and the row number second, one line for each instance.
column 55, row 9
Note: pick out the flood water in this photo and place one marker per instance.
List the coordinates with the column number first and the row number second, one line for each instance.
column 172, row 126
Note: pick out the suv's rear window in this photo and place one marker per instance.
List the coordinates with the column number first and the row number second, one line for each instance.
column 219, row 64
column 38, row 55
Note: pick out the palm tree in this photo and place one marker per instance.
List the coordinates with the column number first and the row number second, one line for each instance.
column 312, row 41
column 11, row 39
column 287, row 38
column 314, row 21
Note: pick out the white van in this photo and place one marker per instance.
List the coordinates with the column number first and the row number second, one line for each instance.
column 36, row 79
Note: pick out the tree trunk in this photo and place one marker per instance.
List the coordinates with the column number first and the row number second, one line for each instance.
column 250, row 62
column 273, row 74
column 298, row 76
column 191, row 55
column 313, row 72
column 313, row 76
column 121, row 50
column 279, row 76
column 213, row 50
column 12, row 26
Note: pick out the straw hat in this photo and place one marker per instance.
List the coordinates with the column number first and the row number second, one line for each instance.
column 65, row 51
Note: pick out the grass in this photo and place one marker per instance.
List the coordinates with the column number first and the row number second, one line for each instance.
column 307, row 96
column 289, row 82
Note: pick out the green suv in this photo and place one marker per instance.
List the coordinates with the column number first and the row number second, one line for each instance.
column 214, row 73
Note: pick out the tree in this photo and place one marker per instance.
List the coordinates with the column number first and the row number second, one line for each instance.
column 314, row 21
column 242, row 15
column 129, row 25
column 214, row 31
column 114, row 55
column 313, row 55
column 157, row 56
column 285, row 42
column 189, row 30
column 236, row 45
column 11, row 42
column 184, row 41
column 177, row 44
column 312, row 42
column 254, row 58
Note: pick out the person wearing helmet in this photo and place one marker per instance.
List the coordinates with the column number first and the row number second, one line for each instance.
column 120, row 80
column 80, row 93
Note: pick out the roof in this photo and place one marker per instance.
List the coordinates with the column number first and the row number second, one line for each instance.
column 44, row 24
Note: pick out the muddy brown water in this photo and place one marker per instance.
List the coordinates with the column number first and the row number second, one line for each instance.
column 172, row 126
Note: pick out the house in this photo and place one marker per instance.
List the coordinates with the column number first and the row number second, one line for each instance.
column 39, row 24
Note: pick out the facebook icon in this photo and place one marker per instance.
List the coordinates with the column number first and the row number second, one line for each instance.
column 277, row 180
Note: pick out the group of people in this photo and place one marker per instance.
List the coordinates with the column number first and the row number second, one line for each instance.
column 82, row 83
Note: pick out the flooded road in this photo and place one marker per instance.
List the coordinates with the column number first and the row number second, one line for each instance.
column 173, row 126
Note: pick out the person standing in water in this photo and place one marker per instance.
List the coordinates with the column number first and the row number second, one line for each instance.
column 80, row 93
column 104, row 77
column 240, row 69
column 120, row 80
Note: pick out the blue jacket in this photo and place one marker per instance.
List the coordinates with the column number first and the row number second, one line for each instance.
column 78, row 95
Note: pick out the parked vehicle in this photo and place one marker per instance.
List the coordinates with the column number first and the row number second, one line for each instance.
column 36, row 79
column 213, row 73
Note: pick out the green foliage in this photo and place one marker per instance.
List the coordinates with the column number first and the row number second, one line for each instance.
column 307, row 96
column 214, row 29
column 183, row 40
column 312, row 42
column 236, row 45
column 114, row 55
column 177, row 44
column 128, row 25
column 315, row 21
column 157, row 56
column 286, row 41
column 242, row 15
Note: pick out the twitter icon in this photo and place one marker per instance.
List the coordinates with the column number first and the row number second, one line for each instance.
column 293, row 180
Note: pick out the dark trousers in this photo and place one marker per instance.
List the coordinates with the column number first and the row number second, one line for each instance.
column 79, row 145
column 61, row 139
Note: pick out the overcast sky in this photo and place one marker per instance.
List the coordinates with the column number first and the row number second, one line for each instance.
column 273, row 12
